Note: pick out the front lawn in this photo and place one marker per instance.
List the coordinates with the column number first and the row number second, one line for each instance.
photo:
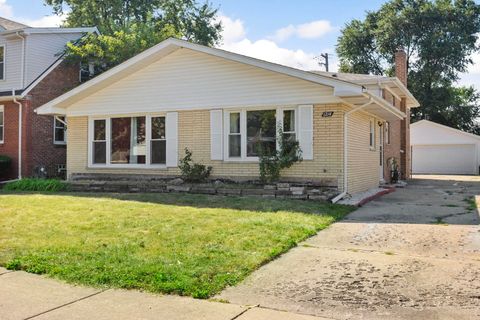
column 171, row 243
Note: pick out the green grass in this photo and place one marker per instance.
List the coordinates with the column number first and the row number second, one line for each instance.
column 171, row 243
column 31, row 184
column 471, row 204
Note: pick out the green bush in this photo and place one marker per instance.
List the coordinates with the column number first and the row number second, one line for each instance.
column 271, row 165
column 30, row 184
column 5, row 163
column 193, row 172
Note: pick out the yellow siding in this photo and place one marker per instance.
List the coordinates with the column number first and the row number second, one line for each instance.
column 363, row 163
column 194, row 133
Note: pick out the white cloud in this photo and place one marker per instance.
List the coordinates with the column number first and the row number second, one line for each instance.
column 235, row 39
column 6, row 11
column 310, row 30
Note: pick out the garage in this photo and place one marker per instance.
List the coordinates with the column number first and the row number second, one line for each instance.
column 438, row 149
column 444, row 159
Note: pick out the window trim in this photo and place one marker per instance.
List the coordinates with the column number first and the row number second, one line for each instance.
column 2, row 110
column 55, row 141
column 108, row 164
column 4, row 46
column 387, row 133
column 372, row 136
column 243, row 129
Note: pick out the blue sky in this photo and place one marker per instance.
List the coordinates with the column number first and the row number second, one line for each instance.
column 286, row 32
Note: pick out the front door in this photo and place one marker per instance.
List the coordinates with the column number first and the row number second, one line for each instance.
column 380, row 148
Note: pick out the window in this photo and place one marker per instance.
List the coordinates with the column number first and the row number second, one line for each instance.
column 2, row 123
column 139, row 141
column 261, row 132
column 372, row 134
column 2, row 62
column 387, row 132
column 128, row 141
column 59, row 130
column 99, row 147
column 234, row 136
column 249, row 132
column 158, row 142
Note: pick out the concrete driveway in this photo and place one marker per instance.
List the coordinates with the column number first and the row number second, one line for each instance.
column 412, row 254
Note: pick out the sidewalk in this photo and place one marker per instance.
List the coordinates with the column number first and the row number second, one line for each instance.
column 29, row 296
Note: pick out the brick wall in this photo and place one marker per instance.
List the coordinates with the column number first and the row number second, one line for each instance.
column 38, row 148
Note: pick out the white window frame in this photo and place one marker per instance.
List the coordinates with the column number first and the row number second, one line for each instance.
column 371, row 136
column 108, row 138
column 55, row 141
column 2, row 111
column 243, row 129
column 4, row 61
column 148, row 127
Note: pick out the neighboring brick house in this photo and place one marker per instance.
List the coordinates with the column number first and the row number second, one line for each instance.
column 32, row 72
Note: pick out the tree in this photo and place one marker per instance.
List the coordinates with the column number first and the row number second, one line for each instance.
column 128, row 27
column 438, row 36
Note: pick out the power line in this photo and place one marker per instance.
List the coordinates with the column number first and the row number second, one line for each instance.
column 323, row 60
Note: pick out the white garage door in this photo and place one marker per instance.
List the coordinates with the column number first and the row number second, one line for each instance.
column 444, row 159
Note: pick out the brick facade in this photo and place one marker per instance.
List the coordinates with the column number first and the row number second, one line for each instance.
column 38, row 148
column 399, row 146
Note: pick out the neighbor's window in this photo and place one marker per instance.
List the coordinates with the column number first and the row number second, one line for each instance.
column 59, row 130
column 372, row 133
column 128, row 141
column 261, row 132
column 2, row 126
column 158, row 142
column 234, row 136
column 2, row 62
column 99, row 146
column 387, row 132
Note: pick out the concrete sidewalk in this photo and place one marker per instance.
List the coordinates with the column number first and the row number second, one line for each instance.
column 29, row 296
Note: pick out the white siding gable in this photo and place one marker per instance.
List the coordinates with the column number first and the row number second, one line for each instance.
column 42, row 50
column 13, row 63
column 187, row 79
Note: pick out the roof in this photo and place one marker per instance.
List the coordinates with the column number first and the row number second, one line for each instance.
column 431, row 123
column 352, row 77
column 342, row 88
column 6, row 24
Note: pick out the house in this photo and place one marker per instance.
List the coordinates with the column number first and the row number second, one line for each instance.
column 31, row 74
column 137, row 118
column 438, row 149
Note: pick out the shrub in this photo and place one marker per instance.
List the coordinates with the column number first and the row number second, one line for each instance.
column 30, row 184
column 5, row 163
column 271, row 165
column 191, row 171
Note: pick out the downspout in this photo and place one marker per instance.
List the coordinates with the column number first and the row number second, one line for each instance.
column 20, row 106
column 345, row 150
column 20, row 116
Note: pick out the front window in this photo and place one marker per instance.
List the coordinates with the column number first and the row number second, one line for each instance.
column 252, row 132
column 59, row 130
column 2, row 62
column 128, row 141
column 261, row 132
column 2, row 126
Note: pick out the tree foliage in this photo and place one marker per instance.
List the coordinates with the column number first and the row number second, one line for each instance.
column 128, row 27
column 438, row 36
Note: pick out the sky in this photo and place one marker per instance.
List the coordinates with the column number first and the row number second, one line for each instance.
column 292, row 33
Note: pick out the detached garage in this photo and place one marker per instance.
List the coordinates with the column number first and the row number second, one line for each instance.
column 438, row 149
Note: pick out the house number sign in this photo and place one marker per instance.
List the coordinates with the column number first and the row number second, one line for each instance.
column 327, row 114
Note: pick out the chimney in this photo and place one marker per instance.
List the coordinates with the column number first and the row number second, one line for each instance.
column 401, row 65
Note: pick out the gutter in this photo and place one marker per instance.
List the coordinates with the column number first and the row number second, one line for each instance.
column 345, row 149
column 20, row 116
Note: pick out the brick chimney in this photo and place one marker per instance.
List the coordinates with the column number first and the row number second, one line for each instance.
column 401, row 65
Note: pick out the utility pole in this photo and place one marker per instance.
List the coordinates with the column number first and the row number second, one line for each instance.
column 325, row 58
